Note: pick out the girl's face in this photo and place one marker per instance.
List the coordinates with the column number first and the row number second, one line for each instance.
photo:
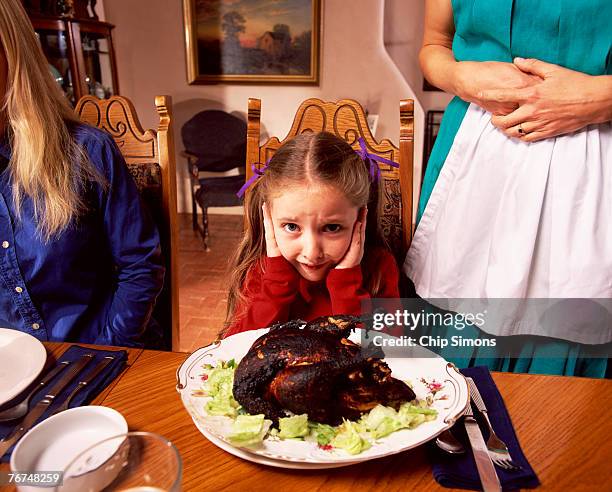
column 313, row 225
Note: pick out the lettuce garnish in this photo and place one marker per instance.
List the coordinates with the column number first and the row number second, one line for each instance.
column 353, row 437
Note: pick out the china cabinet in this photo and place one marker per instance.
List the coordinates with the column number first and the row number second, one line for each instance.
column 78, row 47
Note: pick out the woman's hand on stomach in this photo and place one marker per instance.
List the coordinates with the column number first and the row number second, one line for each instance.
column 562, row 102
column 475, row 79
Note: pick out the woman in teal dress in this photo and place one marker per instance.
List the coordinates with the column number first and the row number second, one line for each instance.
column 533, row 106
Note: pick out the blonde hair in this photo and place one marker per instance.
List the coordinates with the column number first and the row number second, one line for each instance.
column 307, row 158
column 46, row 164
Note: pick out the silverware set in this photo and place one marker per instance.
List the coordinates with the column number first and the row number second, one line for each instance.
column 69, row 370
column 493, row 452
column 498, row 451
column 84, row 382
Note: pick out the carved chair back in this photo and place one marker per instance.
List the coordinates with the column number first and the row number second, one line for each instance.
column 149, row 155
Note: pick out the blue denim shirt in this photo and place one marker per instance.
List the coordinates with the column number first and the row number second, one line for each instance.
column 95, row 282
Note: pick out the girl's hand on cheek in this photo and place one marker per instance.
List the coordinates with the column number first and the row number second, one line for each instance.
column 272, row 249
column 354, row 255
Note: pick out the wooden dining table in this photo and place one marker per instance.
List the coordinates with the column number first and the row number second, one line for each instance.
column 564, row 425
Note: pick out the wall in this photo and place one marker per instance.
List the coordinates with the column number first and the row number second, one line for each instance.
column 403, row 34
column 100, row 10
column 149, row 42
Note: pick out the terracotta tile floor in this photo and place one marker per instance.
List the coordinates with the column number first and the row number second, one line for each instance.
column 202, row 278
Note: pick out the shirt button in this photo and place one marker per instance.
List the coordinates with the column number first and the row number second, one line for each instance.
column 5, row 244
column 19, row 290
column 35, row 326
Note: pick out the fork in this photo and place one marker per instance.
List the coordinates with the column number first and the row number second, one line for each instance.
column 497, row 448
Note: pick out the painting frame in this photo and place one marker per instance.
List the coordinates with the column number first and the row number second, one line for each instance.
column 192, row 50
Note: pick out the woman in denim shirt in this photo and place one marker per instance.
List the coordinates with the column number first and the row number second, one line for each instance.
column 80, row 258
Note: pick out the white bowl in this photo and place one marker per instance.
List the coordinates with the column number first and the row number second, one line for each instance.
column 56, row 441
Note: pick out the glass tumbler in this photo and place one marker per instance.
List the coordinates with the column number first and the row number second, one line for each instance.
column 132, row 462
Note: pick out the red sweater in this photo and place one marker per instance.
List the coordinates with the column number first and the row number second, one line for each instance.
column 278, row 293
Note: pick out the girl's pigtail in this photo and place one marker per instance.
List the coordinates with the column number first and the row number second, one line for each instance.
column 372, row 275
column 251, row 249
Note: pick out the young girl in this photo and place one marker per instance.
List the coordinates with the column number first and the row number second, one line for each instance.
column 80, row 259
column 311, row 246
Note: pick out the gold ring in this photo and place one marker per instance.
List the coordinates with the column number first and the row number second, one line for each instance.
column 520, row 129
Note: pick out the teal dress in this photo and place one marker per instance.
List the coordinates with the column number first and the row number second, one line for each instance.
column 576, row 35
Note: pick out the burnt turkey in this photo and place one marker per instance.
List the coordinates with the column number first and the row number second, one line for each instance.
column 313, row 368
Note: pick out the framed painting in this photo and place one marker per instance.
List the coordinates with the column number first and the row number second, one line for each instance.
column 271, row 41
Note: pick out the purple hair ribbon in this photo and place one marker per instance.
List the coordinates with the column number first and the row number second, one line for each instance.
column 372, row 160
column 257, row 173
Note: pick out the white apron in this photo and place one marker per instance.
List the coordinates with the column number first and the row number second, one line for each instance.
column 509, row 219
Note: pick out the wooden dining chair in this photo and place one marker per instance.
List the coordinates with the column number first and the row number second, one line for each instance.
column 149, row 155
column 347, row 119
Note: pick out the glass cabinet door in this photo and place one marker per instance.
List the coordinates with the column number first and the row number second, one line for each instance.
column 80, row 55
column 55, row 45
column 98, row 64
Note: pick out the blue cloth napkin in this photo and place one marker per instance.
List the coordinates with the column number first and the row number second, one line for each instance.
column 85, row 395
column 459, row 471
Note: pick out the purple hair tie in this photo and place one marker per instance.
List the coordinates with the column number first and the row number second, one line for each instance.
column 257, row 173
column 372, row 160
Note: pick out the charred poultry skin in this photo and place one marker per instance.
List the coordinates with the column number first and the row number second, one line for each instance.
column 315, row 370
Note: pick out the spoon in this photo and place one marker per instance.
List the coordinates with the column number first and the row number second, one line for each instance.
column 20, row 409
column 449, row 443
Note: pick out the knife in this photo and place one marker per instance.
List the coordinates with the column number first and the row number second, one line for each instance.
column 42, row 406
column 486, row 470
column 479, row 402
column 84, row 382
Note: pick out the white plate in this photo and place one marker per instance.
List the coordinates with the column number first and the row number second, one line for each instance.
column 423, row 369
column 56, row 441
column 262, row 460
column 22, row 358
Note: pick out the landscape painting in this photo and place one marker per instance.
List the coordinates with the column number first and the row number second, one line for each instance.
column 252, row 40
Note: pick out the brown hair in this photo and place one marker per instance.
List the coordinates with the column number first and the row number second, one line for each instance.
column 307, row 158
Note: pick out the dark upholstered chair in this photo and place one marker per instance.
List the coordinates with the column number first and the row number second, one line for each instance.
column 215, row 141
